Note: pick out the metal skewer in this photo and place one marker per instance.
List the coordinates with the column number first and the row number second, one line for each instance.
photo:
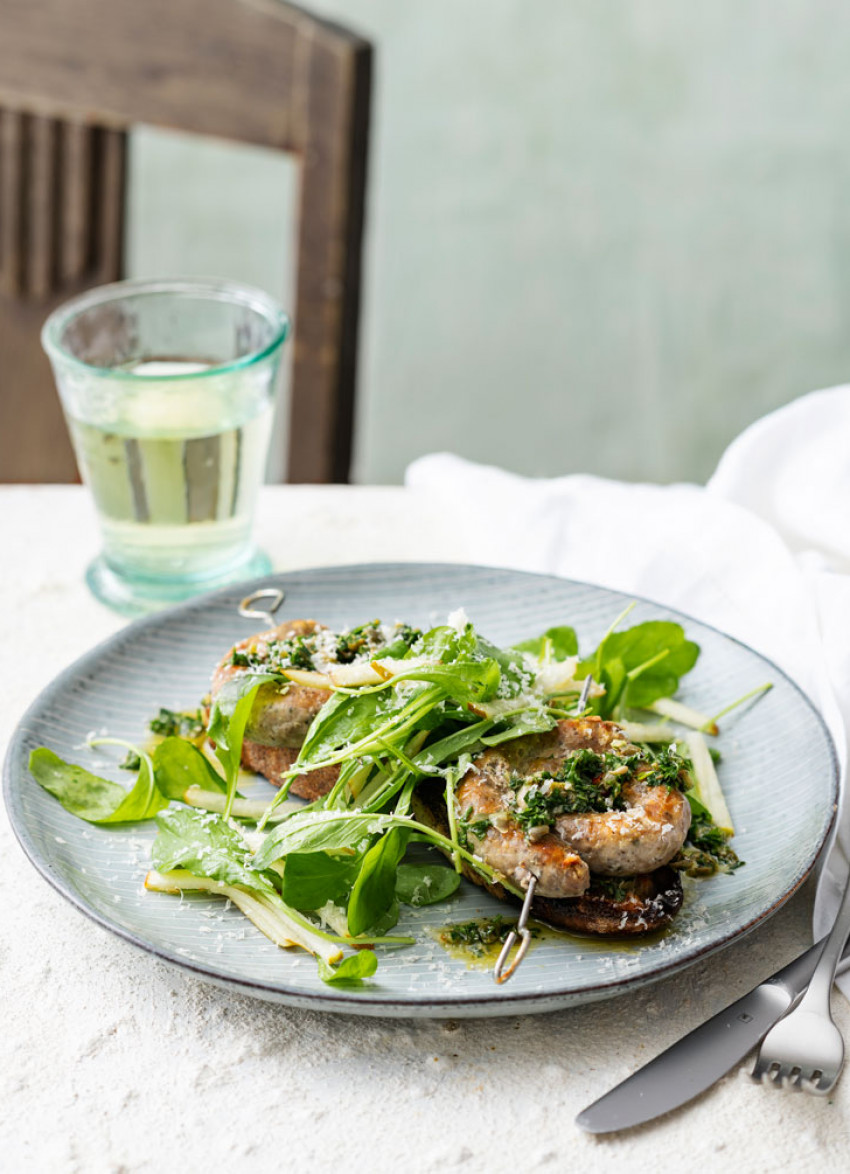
column 248, row 612
column 522, row 931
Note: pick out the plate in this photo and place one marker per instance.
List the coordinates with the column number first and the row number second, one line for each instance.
column 777, row 757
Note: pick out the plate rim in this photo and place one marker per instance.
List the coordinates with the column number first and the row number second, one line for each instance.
column 432, row 1006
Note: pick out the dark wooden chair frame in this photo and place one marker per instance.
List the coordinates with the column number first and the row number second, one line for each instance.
column 74, row 76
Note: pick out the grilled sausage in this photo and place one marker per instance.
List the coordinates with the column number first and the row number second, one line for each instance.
column 644, row 836
column 280, row 717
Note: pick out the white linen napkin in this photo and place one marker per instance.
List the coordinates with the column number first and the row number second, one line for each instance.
column 761, row 552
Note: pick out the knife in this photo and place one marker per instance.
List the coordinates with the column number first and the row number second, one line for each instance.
column 700, row 1058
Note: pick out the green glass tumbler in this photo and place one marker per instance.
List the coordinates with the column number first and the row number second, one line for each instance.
column 168, row 389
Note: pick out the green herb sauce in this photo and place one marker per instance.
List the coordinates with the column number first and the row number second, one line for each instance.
column 178, row 724
column 706, row 849
column 312, row 652
column 589, row 782
column 479, row 942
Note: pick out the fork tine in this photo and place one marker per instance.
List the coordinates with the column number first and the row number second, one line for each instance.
column 823, row 1083
column 777, row 1074
column 793, row 1077
column 806, row 1039
column 762, row 1070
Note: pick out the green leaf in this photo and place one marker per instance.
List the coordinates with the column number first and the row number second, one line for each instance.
column 387, row 920
column 536, row 720
column 230, row 714
column 363, row 722
column 696, row 807
column 374, row 890
column 321, row 831
column 634, row 675
column 560, row 643
column 343, row 730
column 232, row 700
column 613, row 676
column 351, row 971
column 446, row 644
column 458, row 666
column 462, row 680
column 344, row 720
column 425, row 884
column 206, row 845
column 311, row 879
column 515, row 675
column 92, row 798
column 395, row 650
column 179, row 764
column 448, row 748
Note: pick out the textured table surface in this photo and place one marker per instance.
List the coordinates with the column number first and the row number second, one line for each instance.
column 112, row 1061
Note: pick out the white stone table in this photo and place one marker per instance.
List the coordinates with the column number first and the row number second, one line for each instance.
column 111, row 1060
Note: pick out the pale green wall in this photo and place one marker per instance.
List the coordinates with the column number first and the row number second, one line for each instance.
column 602, row 236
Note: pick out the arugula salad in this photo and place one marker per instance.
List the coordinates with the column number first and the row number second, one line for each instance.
column 330, row 876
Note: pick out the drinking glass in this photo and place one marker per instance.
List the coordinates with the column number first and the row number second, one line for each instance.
column 168, row 389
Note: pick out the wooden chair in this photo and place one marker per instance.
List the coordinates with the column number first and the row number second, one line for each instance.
column 74, row 75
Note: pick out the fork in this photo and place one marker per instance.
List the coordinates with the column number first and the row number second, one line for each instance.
column 805, row 1050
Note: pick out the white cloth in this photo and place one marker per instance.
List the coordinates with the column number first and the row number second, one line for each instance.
column 761, row 552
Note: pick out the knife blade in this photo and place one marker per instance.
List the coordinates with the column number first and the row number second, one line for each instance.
column 700, row 1058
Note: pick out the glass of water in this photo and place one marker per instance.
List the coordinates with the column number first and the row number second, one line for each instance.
column 168, row 388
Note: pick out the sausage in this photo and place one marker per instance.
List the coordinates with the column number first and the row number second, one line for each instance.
column 280, row 717
column 644, row 836
column 282, row 714
column 559, row 870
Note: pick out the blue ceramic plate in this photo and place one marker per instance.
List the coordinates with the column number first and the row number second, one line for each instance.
column 777, row 755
